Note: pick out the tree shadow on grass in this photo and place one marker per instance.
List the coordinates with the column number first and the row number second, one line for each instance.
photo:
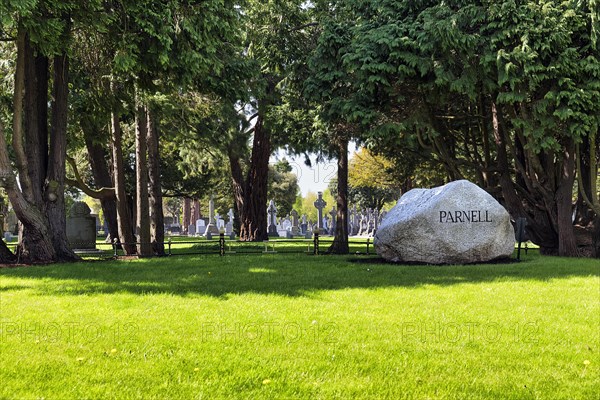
column 275, row 274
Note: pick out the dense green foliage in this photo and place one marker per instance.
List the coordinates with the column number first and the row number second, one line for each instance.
column 283, row 187
column 497, row 92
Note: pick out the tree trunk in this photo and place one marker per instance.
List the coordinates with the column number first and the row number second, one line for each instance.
column 41, row 67
column 35, row 240
column 567, row 245
column 34, row 125
column 237, row 182
column 584, row 214
column 187, row 210
column 55, row 180
column 6, row 256
column 539, row 227
column 18, row 117
column 340, row 242
column 36, row 246
column 123, row 215
column 253, row 219
column 144, row 247
column 157, row 219
column 97, row 156
column 596, row 237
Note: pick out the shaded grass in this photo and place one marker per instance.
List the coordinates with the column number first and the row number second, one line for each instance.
column 295, row 326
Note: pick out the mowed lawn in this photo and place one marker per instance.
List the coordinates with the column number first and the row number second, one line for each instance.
column 299, row 326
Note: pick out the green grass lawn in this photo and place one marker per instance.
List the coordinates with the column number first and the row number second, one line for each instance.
column 297, row 326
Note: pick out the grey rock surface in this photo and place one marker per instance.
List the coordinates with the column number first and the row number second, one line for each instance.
column 458, row 223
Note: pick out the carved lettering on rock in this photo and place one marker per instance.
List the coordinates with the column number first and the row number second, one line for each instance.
column 461, row 216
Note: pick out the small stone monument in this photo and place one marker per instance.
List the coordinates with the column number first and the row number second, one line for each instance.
column 458, row 223
column 220, row 222
column 212, row 225
column 200, row 227
column 309, row 232
column 284, row 229
column 272, row 228
column 333, row 215
column 295, row 227
column 229, row 225
column 81, row 227
column 320, row 205
column 303, row 225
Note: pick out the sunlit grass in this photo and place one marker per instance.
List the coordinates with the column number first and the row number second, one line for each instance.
column 299, row 326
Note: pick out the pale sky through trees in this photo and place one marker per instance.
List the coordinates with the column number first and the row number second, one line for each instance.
column 315, row 178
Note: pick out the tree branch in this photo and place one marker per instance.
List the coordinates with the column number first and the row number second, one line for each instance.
column 101, row 194
column 300, row 27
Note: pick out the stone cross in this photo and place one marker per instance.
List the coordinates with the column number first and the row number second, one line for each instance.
column 320, row 205
column 272, row 220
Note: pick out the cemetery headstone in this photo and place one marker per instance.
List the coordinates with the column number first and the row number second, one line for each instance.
column 285, row 228
column 303, row 225
column 212, row 226
column 354, row 225
column 457, row 223
column 81, row 227
column 200, row 227
column 272, row 227
column 333, row 215
column 295, row 225
column 320, row 205
column 229, row 225
column 219, row 221
column 309, row 232
column 191, row 230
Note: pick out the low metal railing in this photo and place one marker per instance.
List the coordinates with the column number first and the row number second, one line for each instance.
column 223, row 246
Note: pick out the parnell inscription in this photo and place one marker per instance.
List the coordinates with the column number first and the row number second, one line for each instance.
column 472, row 216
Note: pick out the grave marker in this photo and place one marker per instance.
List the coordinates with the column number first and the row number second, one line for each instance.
column 320, row 205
